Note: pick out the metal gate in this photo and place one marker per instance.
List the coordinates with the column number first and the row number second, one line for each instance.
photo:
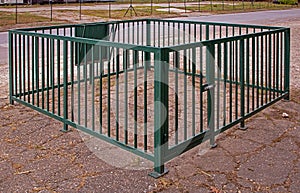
column 156, row 88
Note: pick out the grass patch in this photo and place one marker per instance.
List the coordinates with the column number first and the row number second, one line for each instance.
column 142, row 11
column 288, row 2
column 237, row 7
column 8, row 18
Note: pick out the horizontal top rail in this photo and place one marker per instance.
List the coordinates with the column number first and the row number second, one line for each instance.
column 89, row 41
column 223, row 40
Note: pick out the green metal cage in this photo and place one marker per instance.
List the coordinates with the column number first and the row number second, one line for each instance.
column 156, row 88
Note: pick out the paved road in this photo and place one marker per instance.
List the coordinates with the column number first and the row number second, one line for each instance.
column 274, row 16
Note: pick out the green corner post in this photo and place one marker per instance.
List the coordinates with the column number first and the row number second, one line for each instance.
column 161, row 73
column 210, row 67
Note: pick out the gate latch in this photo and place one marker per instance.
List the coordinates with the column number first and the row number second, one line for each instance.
column 207, row 87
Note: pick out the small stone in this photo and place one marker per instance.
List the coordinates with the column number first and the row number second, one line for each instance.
column 285, row 115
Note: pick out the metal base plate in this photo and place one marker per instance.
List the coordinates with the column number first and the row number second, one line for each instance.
column 156, row 175
column 65, row 131
column 213, row 145
column 243, row 128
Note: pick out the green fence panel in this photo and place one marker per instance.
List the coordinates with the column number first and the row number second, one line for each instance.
column 156, row 88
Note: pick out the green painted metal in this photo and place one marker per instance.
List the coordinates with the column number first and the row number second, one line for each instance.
column 205, row 77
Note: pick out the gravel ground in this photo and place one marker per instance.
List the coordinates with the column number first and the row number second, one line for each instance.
column 36, row 157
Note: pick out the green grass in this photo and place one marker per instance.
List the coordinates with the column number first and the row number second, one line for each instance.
column 288, row 2
column 142, row 11
column 9, row 18
column 237, row 7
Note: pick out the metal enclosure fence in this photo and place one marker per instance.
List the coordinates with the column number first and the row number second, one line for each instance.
column 156, row 88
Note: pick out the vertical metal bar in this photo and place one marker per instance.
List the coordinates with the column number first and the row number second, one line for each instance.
column 269, row 86
column 236, row 57
column 231, row 66
column 253, row 70
column 43, row 71
column 225, row 80
column 28, row 68
column 65, row 74
column 219, row 56
column 58, row 76
column 101, row 89
column 168, row 33
column 207, row 32
column 108, row 93
column 193, row 91
column 185, row 93
column 274, row 66
column 148, row 43
column 135, row 63
column 265, row 85
column 287, row 63
column 92, row 80
column 52, row 73
column 177, row 60
column 117, row 91
column 125, row 63
column 178, row 32
column 281, row 61
column 24, row 67
column 85, row 86
column 16, row 64
column 36, row 63
column 258, row 52
column 214, row 31
column 72, row 63
column 201, row 36
column 201, row 88
column 164, row 34
column 48, row 73
column 11, row 68
column 183, row 34
column 133, row 36
column 277, row 77
column 242, row 81
column 248, row 72
column 20, row 65
column 146, row 62
column 128, row 32
column 78, row 45
column 158, row 34
column 263, row 45
column 154, row 33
